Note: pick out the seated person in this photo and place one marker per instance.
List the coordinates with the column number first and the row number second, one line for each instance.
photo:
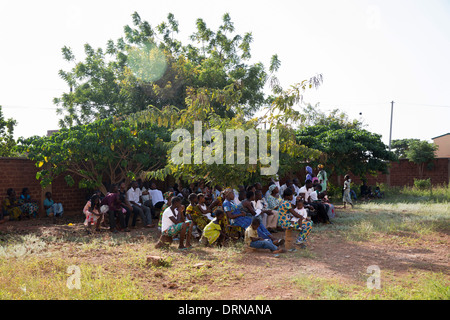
column 156, row 196
column 52, row 208
column 309, row 196
column 93, row 214
column 378, row 193
column 112, row 200
column 213, row 233
column 289, row 218
column 194, row 214
column 240, row 218
column 364, row 189
column 253, row 240
column 11, row 206
column 29, row 207
column 175, row 223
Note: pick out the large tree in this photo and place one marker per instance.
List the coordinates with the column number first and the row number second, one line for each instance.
column 346, row 145
column 101, row 153
column 150, row 67
column 7, row 142
column 401, row 146
column 421, row 153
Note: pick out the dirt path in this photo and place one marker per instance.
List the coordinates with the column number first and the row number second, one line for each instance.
column 331, row 258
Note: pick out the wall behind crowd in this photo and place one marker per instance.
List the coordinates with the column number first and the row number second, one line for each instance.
column 18, row 173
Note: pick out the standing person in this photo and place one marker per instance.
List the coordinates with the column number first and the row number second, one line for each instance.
column 52, row 208
column 346, row 197
column 253, row 240
column 173, row 223
column 309, row 173
column 134, row 197
column 323, row 177
column 29, row 206
column 112, row 200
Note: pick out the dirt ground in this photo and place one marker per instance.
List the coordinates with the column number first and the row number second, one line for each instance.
column 329, row 256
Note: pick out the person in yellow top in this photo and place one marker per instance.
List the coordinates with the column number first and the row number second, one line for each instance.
column 254, row 241
column 11, row 206
column 213, row 232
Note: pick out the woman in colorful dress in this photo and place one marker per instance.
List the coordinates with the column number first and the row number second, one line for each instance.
column 322, row 176
column 234, row 232
column 240, row 219
column 11, row 206
column 286, row 213
column 29, row 206
column 193, row 213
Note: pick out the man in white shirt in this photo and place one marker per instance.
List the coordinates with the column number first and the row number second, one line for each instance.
column 305, row 191
column 174, row 223
column 156, row 196
column 320, row 214
column 288, row 184
column 134, row 197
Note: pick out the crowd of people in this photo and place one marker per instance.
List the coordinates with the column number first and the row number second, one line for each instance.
column 212, row 214
column 21, row 207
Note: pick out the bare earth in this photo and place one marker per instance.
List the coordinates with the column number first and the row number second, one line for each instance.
column 329, row 256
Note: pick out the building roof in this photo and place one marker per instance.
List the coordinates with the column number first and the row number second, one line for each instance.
column 445, row 134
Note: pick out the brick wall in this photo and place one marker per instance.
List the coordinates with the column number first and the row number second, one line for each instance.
column 402, row 172
column 18, row 173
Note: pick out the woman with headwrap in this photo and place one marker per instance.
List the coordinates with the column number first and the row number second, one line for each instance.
column 240, row 219
column 309, row 173
column 273, row 202
column 322, row 176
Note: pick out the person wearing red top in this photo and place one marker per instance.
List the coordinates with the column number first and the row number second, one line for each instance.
column 112, row 200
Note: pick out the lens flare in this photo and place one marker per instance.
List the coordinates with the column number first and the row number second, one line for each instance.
column 147, row 62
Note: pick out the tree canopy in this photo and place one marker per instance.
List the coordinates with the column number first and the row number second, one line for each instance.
column 149, row 66
column 346, row 146
column 421, row 153
column 100, row 153
column 7, row 142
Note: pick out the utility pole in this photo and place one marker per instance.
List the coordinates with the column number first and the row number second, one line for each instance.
column 388, row 177
column 390, row 132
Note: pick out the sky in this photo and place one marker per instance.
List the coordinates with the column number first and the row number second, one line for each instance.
column 369, row 53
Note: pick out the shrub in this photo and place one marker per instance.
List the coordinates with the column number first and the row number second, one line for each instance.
column 422, row 184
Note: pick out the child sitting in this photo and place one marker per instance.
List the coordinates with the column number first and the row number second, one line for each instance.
column 213, row 232
column 174, row 223
column 201, row 204
column 254, row 241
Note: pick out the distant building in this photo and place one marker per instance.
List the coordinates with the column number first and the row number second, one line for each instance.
column 50, row 132
column 443, row 143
